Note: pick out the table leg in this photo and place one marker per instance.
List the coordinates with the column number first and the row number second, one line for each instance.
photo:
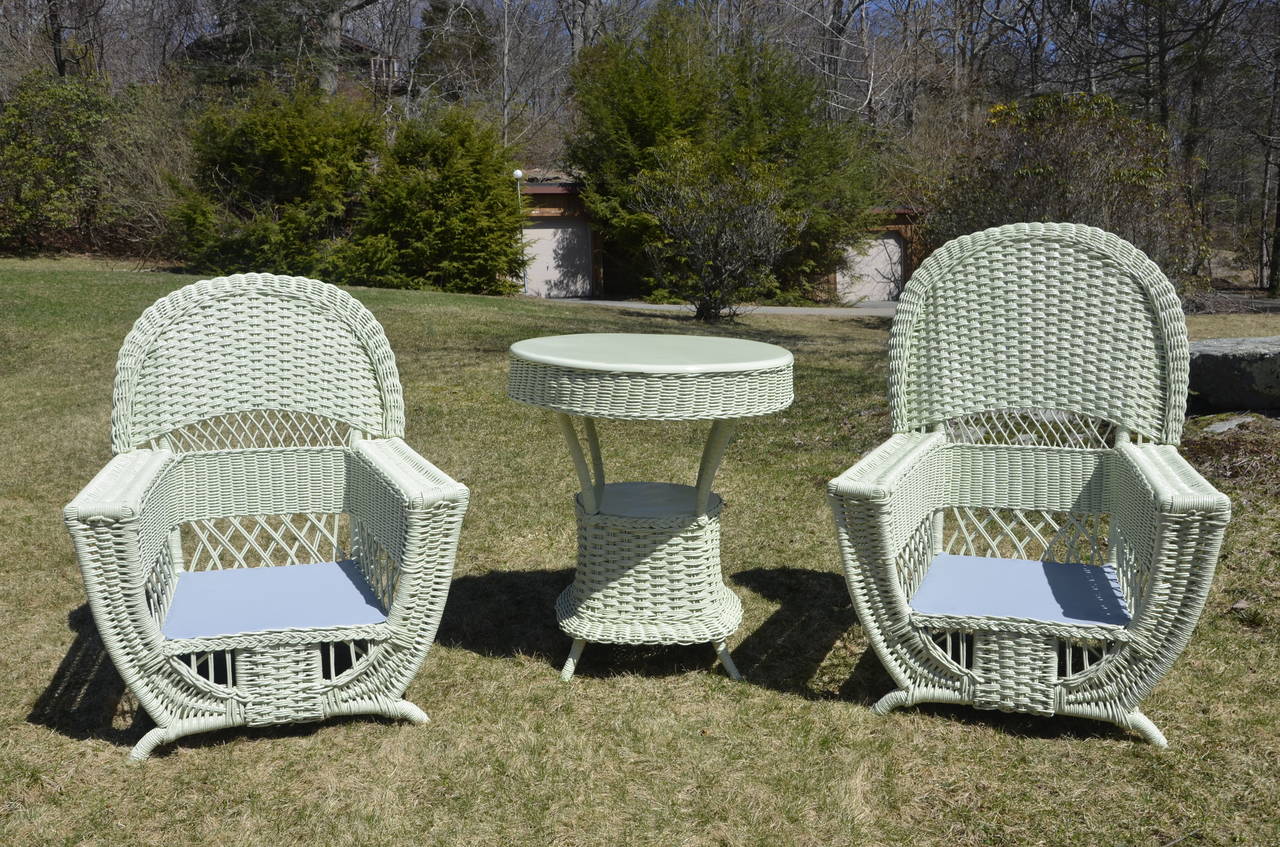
column 722, row 650
column 571, row 663
column 591, row 489
column 717, row 443
column 597, row 463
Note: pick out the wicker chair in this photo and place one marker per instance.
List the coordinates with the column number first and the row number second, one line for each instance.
column 1029, row 539
column 263, row 548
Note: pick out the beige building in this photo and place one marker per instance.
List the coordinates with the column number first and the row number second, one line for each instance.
column 880, row 267
column 563, row 255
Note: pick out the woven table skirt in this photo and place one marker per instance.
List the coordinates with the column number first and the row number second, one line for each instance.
column 649, row 578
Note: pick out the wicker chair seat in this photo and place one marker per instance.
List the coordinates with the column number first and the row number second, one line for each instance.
column 321, row 595
column 1046, row 592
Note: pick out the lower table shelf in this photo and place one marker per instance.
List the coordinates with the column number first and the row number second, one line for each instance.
column 649, row 571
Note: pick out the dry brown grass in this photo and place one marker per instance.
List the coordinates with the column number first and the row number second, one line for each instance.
column 646, row 746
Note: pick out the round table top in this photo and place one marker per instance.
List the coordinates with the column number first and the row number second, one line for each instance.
column 625, row 352
column 640, row 376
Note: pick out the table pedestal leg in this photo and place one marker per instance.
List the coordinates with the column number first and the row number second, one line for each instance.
column 722, row 650
column 571, row 663
column 648, row 559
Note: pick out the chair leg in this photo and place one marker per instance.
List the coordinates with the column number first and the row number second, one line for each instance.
column 178, row 729
column 571, row 663
column 892, row 700
column 149, row 742
column 1143, row 725
column 722, row 650
column 410, row 712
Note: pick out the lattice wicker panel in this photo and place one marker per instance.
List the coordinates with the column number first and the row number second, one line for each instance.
column 378, row 568
column 914, row 558
column 263, row 540
column 957, row 645
column 161, row 582
column 339, row 657
column 1033, row 427
column 261, row 428
column 1078, row 656
column 215, row 666
column 1134, row 570
column 1035, row 534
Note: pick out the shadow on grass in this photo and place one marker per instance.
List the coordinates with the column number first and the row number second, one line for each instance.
column 1017, row 725
column 512, row 613
column 787, row 650
column 506, row 613
column 86, row 697
column 683, row 322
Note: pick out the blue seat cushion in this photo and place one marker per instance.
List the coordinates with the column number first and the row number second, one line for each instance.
column 232, row 601
column 976, row 586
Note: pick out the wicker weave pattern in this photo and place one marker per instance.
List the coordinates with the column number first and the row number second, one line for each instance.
column 632, row 396
column 649, row 581
column 249, row 343
column 1099, row 331
column 1027, row 362
column 1016, row 673
column 273, row 490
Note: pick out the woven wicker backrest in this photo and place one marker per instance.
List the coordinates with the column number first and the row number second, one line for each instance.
column 255, row 360
column 1040, row 316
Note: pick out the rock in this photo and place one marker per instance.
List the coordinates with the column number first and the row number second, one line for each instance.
column 1228, row 424
column 1229, row 374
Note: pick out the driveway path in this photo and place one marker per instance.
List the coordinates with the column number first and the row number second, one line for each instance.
column 867, row 308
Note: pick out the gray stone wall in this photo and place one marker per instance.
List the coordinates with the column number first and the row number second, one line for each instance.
column 1230, row 374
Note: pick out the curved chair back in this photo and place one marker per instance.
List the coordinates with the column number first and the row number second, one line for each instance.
column 1040, row 316
column 254, row 360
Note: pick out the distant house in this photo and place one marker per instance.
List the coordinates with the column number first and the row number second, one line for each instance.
column 564, row 252
column 564, row 256
column 880, row 267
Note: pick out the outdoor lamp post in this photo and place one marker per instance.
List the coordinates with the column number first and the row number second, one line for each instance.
column 518, row 175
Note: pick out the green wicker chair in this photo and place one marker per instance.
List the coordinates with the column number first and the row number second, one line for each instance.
column 263, row 548
column 1029, row 539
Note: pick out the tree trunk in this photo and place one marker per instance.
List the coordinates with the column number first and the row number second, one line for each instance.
column 1273, row 277
column 1162, row 65
column 331, row 41
column 54, row 17
column 1271, row 262
column 582, row 21
column 330, row 47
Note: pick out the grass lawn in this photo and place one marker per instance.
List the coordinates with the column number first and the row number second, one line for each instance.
column 645, row 746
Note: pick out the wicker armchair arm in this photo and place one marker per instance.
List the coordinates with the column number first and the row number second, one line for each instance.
column 388, row 483
column 879, row 475
column 1158, row 474
column 1172, row 522
column 117, row 493
column 883, row 504
column 119, row 524
column 412, row 479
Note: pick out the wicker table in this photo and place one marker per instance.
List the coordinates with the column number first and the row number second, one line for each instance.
column 649, row 552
